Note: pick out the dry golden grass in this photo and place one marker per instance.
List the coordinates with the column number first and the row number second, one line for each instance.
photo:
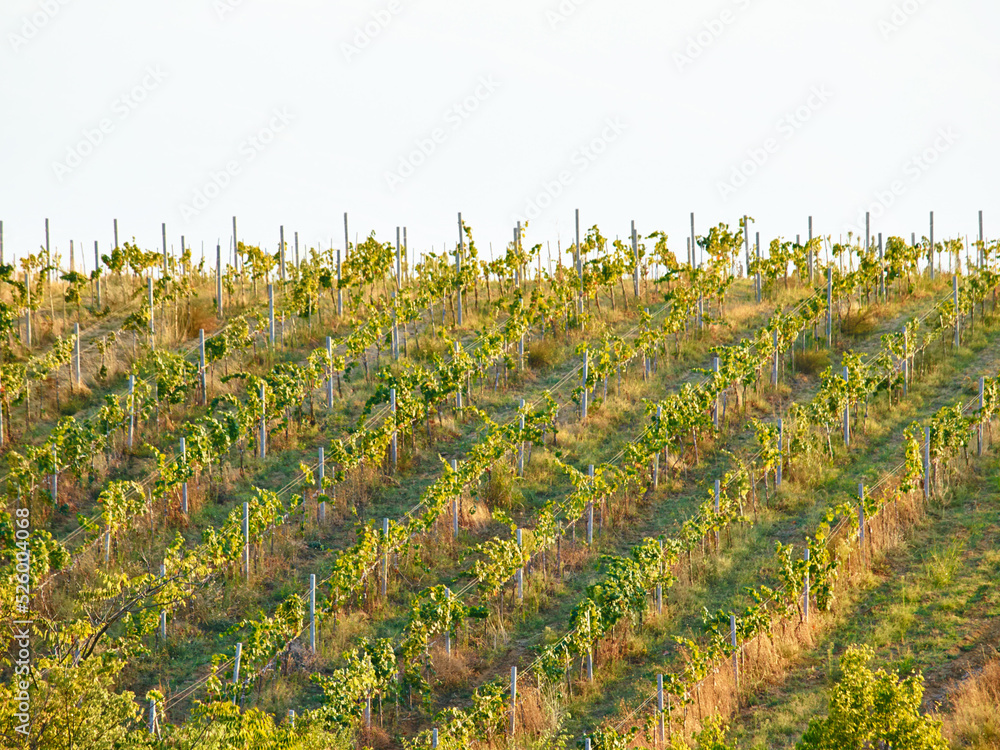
column 201, row 316
column 811, row 362
column 541, row 354
column 974, row 721
column 451, row 671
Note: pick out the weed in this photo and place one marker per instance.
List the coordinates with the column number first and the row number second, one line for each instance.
column 940, row 566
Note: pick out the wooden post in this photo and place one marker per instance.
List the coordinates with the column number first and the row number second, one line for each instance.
column 746, row 243
column 881, row 268
column 218, row 279
column 659, row 710
column 781, row 452
column 395, row 330
column 236, row 666
column 447, row 632
column 163, row 612
column 579, row 265
column 347, row 242
column 394, row 444
column 656, row 458
column 717, row 494
column 202, row 370
column 454, row 505
column 340, row 292
column 635, row 255
column 312, row 612
column 385, row 557
column 458, row 390
column 659, row 586
column 270, row 314
column 163, row 230
column 399, row 263
column 76, row 355
column 979, row 431
column 861, row 522
column 281, row 253
column 27, row 310
column 520, row 571
column 847, row 414
column 805, row 592
column 263, row 424
column 459, row 252
column 715, row 405
column 520, row 443
column 736, row 654
column 829, row 307
column 184, row 484
column 329, row 367
column 982, row 248
column 927, row 463
column 930, row 251
column 590, row 511
column 246, row 541
column 694, row 245
column 513, row 700
column 97, row 267
column 757, row 275
column 958, row 315
column 810, row 259
column 585, row 394
column 906, row 362
column 152, row 328
column 131, row 410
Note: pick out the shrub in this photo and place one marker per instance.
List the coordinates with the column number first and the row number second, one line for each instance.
column 873, row 710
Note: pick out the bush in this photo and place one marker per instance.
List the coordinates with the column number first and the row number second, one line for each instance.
column 873, row 710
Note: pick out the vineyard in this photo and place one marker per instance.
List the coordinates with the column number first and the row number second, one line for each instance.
column 608, row 495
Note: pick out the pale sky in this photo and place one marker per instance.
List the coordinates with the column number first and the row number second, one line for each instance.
column 404, row 112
